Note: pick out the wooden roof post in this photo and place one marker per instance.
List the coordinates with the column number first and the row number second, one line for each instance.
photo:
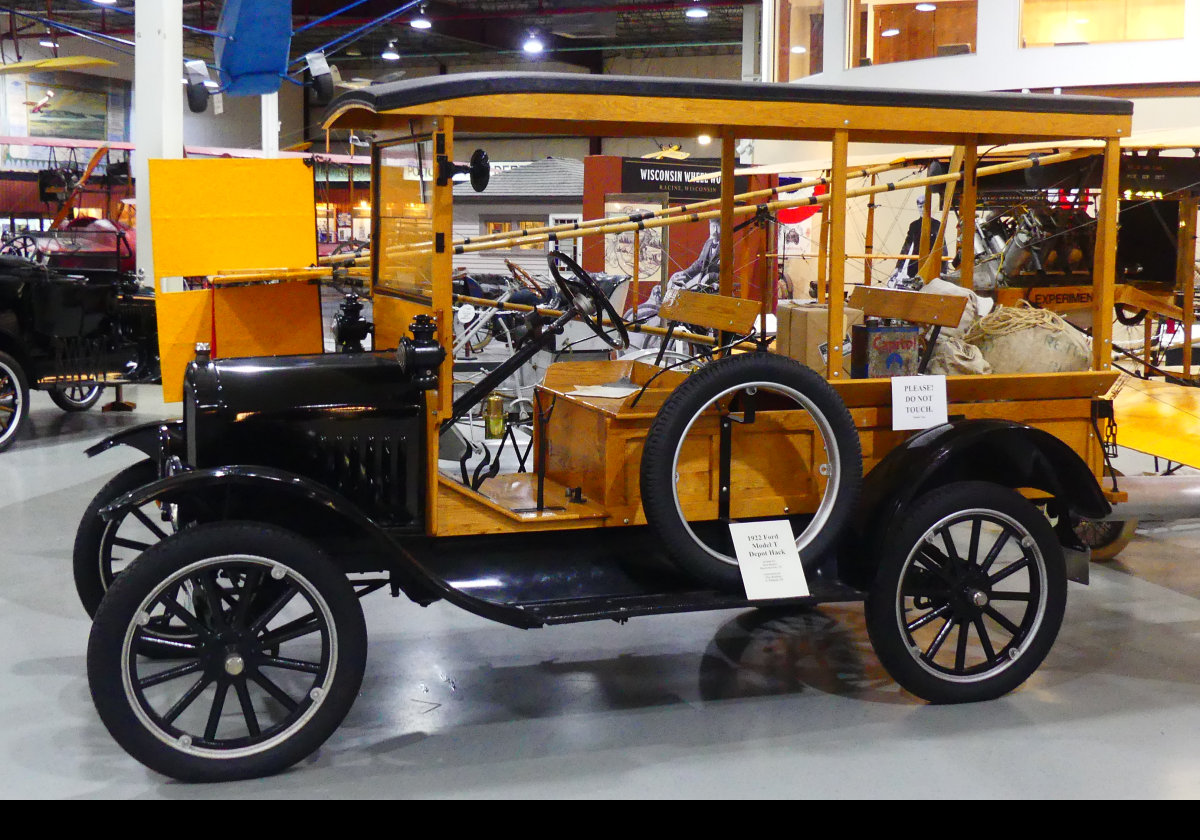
column 728, row 191
column 869, row 237
column 837, row 252
column 966, row 215
column 1105, row 265
column 1186, row 273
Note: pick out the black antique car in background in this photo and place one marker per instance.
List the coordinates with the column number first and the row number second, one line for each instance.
column 70, row 329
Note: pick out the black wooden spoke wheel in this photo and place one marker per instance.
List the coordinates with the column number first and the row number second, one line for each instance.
column 969, row 595
column 278, row 656
column 592, row 306
column 14, row 400
column 76, row 397
column 719, row 446
column 104, row 549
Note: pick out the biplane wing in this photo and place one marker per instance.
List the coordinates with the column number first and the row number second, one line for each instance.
column 1159, row 418
column 66, row 62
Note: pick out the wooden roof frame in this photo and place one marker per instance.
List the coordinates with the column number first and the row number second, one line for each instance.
column 624, row 106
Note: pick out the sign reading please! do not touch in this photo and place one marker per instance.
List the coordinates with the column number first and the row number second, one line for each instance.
column 918, row 402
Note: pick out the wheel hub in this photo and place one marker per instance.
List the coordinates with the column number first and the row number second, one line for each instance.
column 234, row 665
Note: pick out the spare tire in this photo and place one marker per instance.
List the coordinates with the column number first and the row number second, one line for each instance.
column 740, row 391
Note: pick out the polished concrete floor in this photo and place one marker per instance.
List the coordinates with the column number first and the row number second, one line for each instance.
column 705, row 705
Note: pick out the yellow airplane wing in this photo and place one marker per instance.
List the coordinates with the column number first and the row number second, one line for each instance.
column 66, row 62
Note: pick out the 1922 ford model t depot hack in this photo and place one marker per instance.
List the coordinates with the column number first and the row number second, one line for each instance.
column 234, row 646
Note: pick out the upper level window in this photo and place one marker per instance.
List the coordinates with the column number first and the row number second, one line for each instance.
column 883, row 32
column 1048, row 23
column 802, row 38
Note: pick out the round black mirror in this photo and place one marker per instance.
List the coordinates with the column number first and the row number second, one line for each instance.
column 481, row 170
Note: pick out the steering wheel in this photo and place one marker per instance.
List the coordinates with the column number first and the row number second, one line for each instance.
column 590, row 303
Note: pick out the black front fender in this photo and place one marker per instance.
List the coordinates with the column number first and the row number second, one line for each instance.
column 999, row 451
column 147, row 437
column 273, row 488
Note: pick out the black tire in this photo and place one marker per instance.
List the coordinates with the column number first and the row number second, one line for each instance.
column 290, row 612
column 76, row 397
column 925, row 592
column 1129, row 316
column 704, row 550
column 197, row 97
column 1106, row 539
column 103, row 549
column 14, row 400
column 323, row 88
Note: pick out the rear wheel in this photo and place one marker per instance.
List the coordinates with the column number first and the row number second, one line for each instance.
column 969, row 595
column 278, row 657
column 14, row 400
column 103, row 549
column 76, row 397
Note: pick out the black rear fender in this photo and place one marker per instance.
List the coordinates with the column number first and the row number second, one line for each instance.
column 998, row 451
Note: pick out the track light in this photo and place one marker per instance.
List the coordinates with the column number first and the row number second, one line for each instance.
column 390, row 54
column 697, row 12
column 533, row 44
column 420, row 21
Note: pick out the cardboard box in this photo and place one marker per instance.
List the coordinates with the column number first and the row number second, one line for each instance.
column 802, row 332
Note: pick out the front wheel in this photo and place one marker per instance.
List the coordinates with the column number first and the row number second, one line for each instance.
column 76, row 397
column 14, row 400
column 278, row 657
column 969, row 595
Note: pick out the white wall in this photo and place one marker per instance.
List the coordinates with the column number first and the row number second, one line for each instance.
column 999, row 63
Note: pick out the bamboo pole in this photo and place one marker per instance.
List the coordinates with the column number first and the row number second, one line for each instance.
column 666, row 212
column 780, row 204
column 682, row 335
column 682, row 209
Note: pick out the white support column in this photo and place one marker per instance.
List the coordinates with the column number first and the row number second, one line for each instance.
column 270, row 124
column 751, row 57
column 157, row 107
column 769, row 41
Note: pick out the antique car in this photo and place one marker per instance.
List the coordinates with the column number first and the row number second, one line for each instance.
column 234, row 643
column 73, row 320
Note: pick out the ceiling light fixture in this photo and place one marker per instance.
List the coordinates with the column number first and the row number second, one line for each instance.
column 420, row 21
column 533, row 45
column 390, row 53
column 105, row 2
column 889, row 33
column 49, row 41
column 697, row 12
column 799, row 50
column 704, row 139
column 926, row 7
